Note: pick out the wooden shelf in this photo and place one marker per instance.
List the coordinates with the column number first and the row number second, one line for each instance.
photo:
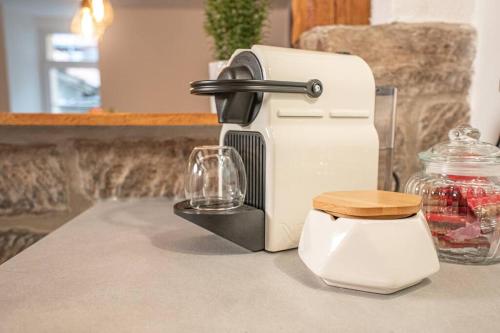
column 113, row 119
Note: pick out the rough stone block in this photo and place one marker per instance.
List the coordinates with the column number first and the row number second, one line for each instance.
column 440, row 114
column 143, row 168
column 32, row 180
column 13, row 241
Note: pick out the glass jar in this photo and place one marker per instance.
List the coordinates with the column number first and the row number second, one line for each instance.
column 460, row 186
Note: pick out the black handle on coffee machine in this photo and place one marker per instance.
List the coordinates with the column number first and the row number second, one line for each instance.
column 312, row 88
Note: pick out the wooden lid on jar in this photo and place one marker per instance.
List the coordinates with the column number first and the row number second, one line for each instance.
column 368, row 204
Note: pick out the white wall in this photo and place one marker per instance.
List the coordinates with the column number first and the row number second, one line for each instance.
column 4, row 87
column 457, row 11
column 21, row 42
column 23, row 21
column 485, row 93
column 484, row 15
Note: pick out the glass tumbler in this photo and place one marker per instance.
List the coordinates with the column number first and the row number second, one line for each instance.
column 215, row 178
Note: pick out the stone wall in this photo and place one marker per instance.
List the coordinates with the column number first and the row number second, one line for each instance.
column 429, row 63
column 48, row 175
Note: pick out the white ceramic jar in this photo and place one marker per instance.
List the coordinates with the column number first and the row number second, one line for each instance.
column 373, row 255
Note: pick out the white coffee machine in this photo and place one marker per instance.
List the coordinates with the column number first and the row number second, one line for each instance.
column 303, row 123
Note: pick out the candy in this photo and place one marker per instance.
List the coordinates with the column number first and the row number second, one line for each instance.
column 460, row 216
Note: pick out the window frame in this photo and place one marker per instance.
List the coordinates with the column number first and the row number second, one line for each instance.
column 46, row 65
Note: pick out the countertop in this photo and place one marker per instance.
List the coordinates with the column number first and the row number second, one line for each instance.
column 133, row 266
column 108, row 119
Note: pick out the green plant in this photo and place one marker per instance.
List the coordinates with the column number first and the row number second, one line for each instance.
column 235, row 24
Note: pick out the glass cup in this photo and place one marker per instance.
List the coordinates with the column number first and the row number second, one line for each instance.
column 215, row 178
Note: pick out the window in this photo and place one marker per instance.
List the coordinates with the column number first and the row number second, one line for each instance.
column 71, row 73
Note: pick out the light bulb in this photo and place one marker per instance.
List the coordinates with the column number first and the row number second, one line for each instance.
column 84, row 23
column 103, row 12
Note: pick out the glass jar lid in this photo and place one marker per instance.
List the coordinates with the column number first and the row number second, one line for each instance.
column 464, row 154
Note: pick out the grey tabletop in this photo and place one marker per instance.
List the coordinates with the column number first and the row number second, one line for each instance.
column 134, row 267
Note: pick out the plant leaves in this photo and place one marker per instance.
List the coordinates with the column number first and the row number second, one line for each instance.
column 235, row 24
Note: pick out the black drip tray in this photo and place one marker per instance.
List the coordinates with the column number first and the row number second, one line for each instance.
column 244, row 225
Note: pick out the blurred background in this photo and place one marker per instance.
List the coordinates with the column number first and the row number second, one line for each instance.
column 142, row 64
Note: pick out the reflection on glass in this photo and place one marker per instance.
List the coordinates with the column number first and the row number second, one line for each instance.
column 74, row 89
